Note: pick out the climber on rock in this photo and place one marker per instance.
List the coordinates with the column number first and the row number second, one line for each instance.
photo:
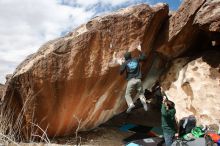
column 133, row 76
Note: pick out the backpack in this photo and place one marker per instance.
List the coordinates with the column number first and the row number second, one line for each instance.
column 186, row 125
column 215, row 137
column 132, row 65
column 197, row 132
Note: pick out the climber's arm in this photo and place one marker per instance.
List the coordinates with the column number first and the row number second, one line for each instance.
column 122, row 68
column 142, row 56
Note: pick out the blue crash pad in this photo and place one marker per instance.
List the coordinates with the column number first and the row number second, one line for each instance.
column 132, row 144
column 126, row 127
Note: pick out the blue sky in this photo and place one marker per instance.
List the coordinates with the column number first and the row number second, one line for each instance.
column 27, row 24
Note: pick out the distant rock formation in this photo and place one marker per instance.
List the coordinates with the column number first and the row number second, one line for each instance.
column 73, row 82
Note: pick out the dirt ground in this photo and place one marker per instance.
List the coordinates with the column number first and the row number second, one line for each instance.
column 100, row 136
column 107, row 134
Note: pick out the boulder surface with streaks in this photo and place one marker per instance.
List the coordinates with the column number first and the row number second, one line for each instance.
column 74, row 82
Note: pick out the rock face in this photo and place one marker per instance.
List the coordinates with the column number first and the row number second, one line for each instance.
column 2, row 89
column 193, row 83
column 190, row 28
column 208, row 16
column 179, row 32
column 73, row 82
column 194, row 86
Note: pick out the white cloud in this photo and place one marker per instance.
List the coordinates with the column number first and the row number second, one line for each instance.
column 86, row 3
column 116, row 2
column 83, row 2
column 111, row 2
column 25, row 25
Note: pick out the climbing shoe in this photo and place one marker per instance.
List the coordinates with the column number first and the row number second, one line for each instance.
column 132, row 106
column 145, row 106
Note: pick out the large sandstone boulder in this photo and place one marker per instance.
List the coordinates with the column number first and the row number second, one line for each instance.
column 194, row 85
column 180, row 33
column 208, row 20
column 208, row 16
column 73, row 82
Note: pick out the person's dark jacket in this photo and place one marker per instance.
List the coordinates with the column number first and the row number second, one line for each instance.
column 168, row 122
column 137, row 73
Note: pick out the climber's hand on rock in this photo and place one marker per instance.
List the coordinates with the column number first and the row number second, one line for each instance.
column 139, row 47
column 164, row 100
column 120, row 61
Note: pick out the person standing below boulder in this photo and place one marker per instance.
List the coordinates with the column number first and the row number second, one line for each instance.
column 168, row 121
column 133, row 76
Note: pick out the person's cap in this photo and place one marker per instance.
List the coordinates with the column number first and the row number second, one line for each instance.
column 127, row 55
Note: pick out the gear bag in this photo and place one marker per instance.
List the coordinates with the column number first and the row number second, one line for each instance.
column 186, row 125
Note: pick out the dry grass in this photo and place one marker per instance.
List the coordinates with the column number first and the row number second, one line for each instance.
column 11, row 132
column 12, row 129
column 8, row 131
column 78, row 138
